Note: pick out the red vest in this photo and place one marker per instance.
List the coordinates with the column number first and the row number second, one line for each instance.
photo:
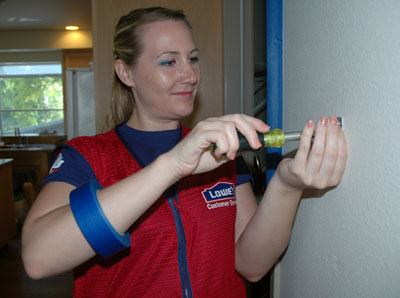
column 150, row 267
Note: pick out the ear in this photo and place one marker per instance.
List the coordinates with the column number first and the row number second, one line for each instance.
column 124, row 73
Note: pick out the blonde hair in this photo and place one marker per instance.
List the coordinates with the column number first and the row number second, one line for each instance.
column 128, row 48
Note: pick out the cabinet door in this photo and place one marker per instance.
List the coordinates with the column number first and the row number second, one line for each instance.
column 7, row 213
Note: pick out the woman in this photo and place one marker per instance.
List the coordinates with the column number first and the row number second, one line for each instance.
column 189, row 214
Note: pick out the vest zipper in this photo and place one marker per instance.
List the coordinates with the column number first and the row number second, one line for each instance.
column 182, row 255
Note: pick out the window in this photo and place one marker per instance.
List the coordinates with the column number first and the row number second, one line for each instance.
column 31, row 98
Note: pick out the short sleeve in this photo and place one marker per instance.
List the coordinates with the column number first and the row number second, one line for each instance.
column 69, row 166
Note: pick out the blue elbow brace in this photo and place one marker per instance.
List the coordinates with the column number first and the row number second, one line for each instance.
column 96, row 228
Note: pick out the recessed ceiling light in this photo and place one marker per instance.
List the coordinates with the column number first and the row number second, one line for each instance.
column 71, row 28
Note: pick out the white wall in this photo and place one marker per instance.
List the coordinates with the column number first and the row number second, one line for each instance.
column 343, row 57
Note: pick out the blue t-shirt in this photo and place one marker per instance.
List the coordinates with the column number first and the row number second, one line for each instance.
column 145, row 146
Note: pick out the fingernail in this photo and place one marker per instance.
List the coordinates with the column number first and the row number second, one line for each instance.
column 310, row 123
column 323, row 120
column 334, row 120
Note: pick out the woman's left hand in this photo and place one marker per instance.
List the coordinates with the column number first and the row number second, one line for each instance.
column 319, row 162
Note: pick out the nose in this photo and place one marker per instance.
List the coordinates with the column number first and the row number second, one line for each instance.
column 190, row 73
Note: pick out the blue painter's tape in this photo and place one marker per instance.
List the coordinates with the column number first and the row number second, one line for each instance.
column 96, row 228
column 274, row 113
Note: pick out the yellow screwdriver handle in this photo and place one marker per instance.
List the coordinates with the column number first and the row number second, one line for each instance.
column 274, row 138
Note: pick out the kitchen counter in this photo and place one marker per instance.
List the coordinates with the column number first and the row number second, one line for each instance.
column 28, row 147
column 32, row 158
column 5, row 161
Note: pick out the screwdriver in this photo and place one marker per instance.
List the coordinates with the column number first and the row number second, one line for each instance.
column 275, row 138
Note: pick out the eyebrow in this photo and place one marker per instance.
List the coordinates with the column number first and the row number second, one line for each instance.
column 177, row 53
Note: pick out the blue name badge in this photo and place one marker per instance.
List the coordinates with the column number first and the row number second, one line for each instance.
column 220, row 191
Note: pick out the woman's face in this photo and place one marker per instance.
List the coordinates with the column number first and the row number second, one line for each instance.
column 167, row 74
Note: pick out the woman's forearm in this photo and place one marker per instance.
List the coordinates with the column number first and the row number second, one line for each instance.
column 52, row 241
column 267, row 234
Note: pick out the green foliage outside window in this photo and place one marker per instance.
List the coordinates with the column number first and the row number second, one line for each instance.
column 30, row 101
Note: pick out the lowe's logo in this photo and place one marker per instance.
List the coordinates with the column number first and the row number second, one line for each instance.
column 220, row 191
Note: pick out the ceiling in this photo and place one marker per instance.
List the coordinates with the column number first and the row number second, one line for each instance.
column 44, row 14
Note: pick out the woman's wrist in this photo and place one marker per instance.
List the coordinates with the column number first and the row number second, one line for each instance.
column 283, row 180
column 168, row 165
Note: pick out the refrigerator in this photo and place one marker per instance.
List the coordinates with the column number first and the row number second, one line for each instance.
column 80, row 102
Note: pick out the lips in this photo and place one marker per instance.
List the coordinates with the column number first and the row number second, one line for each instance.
column 183, row 93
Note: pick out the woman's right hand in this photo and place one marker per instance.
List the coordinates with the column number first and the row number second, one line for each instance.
column 193, row 155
